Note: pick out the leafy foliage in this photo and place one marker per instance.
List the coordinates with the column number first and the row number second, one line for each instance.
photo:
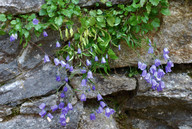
column 96, row 30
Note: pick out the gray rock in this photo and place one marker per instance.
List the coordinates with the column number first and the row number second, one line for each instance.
column 84, row 3
column 104, row 85
column 7, row 47
column 101, row 121
column 8, row 71
column 30, row 85
column 5, row 111
column 174, row 33
column 20, row 6
column 36, row 122
column 33, row 106
column 172, row 106
column 177, row 85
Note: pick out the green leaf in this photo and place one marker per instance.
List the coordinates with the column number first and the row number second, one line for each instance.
column 111, row 20
column 67, row 12
column 91, row 21
column 133, row 20
column 100, row 19
column 154, row 2
column 26, row 33
column 42, row 12
column 148, row 7
column 37, row 27
column 117, row 21
column 93, row 13
column 75, row 1
column 112, row 54
column 13, row 22
column 142, row 2
column 3, row 17
column 18, row 26
column 59, row 20
column 109, row 4
column 156, row 22
column 99, row 12
column 2, row 32
column 166, row 12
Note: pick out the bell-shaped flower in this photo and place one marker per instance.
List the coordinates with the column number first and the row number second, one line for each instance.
column 69, row 106
column 83, row 82
column 89, row 74
column 153, row 69
column 102, row 104
column 42, row 106
column 165, row 51
column 54, row 108
column 103, row 61
column 96, row 58
column 99, row 97
column 63, row 64
column 56, row 61
column 61, row 105
column 92, row 116
column 42, row 113
column 157, row 62
column 13, row 37
column 83, row 97
column 88, row 63
column 45, row 34
column 83, row 70
column 79, row 51
column 46, row 59
column 35, row 21
column 58, row 44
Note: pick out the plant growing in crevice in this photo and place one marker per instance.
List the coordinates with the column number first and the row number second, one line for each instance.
column 88, row 36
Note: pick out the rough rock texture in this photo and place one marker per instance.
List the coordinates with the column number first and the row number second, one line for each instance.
column 22, row 89
column 28, row 6
column 171, row 108
column 101, row 122
column 175, row 33
column 104, row 85
column 20, row 6
column 36, row 122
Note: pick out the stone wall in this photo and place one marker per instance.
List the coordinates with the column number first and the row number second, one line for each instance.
column 26, row 82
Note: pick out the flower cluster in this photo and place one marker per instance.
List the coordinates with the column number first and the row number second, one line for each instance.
column 155, row 73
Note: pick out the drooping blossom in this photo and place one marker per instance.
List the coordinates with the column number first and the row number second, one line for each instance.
column 79, row 51
column 58, row 78
column 83, row 70
column 63, row 64
column 157, row 62
column 42, row 106
column 89, row 74
column 92, row 116
column 96, row 58
column 54, row 108
column 50, row 116
column 56, row 61
column 99, row 97
column 103, row 61
column 88, row 63
column 61, row 105
column 83, row 97
column 83, row 82
column 102, row 104
column 69, row 106
column 67, row 58
column 42, row 113
column 58, row 44
column 46, row 59
column 45, row 34
column 35, row 21
column 13, row 37
column 62, row 95
column 65, row 89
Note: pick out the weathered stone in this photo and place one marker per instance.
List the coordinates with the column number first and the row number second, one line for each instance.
column 174, row 33
column 36, row 83
column 93, row 2
column 172, row 106
column 7, row 47
column 104, row 85
column 36, row 122
column 101, row 121
column 33, row 107
column 177, row 85
column 20, row 6
column 8, row 71
column 5, row 111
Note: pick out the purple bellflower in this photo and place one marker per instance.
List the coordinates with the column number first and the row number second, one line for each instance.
column 67, row 58
column 88, row 63
column 42, row 106
column 103, row 61
column 107, row 112
column 83, row 82
column 50, row 116
column 45, row 34
column 62, row 95
column 83, row 70
column 83, row 97
column 157, row 62
column 79, row 51
column 54, row 108
column 61, row 105
column 58, row 78
column 63, row 64
column 46, row 59
column 99, row 97
column 92, row 116
column 69, row 106
column 13, row 37
column 56, row 61
column 42, row 113
column 65, row 89
column 58, row 44
column 35, row 21
column 119, row 47
column 96, row 58
column 102, row 104
column 89, row 74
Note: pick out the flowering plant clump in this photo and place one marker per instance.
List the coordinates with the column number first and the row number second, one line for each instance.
column 155, row 73
column 96, row 31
